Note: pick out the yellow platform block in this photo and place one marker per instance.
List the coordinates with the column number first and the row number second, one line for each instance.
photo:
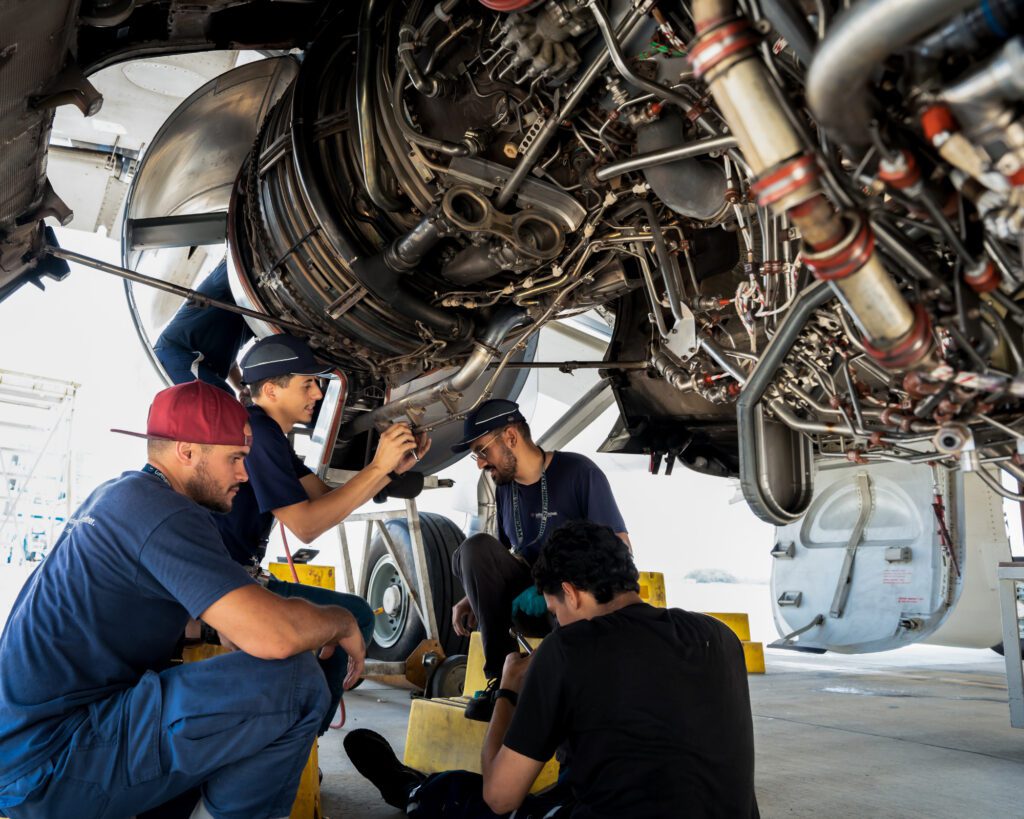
column 440, row 738
column 652, row 589
column 738, row 622
column 309, row 575
column 753, row 655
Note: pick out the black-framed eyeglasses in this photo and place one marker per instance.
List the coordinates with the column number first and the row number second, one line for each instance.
column 477, row 454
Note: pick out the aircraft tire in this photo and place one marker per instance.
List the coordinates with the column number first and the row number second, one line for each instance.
column 398, row 630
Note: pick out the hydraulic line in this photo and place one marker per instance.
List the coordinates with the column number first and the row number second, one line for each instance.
column 839, row 248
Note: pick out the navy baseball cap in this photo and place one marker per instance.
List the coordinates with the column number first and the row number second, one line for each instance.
column 279, row 355
column 489, row 416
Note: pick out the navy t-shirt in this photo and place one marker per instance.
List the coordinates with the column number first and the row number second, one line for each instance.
column 109, row 603
column 577, row 490
column 655, row 708
column 275, row 472
column 215, row 333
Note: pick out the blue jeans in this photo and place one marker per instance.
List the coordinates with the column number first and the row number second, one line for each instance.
column 240, row 727
column 177, row 361
column 334, row 667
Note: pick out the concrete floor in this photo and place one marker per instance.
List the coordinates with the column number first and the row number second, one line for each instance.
column 920, row 732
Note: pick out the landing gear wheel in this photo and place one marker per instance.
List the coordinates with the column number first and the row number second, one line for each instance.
column 398, row 630
column 449, row 678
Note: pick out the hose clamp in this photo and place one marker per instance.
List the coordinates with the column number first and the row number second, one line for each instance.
column 910, row 349
column 721, row 46
column 845, row 258
column 782, row 180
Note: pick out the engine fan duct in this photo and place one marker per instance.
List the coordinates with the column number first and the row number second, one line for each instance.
column 297, row 240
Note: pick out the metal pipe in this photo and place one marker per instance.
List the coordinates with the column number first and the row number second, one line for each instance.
column 365, row 112
column 838, row 249
column 675, row 376
column 664, row 156
column 720, row 358
column 860, row 40
column 532, row 153
column 787, row 19
column 619, row 61
column 484, row 350
column 574, row 365
column 670, row 272
column 170, row 287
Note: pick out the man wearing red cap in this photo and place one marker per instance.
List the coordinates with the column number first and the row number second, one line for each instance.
column 95, row 723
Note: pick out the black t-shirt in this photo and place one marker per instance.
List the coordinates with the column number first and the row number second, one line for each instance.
column 655, row 707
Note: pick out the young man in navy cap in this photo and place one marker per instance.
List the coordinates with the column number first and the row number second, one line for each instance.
column 282, row 374
column 216, row 334
column 537, row 492
column 94, row 722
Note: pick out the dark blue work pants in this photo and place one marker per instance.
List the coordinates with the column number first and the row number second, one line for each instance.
column 240, row 727
column 334, row 667
column 177, row 361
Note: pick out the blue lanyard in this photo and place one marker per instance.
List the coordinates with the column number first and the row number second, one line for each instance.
column 543, row 511
column 149, row 469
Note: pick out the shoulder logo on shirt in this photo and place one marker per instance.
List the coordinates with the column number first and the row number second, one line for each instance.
column 85, row 520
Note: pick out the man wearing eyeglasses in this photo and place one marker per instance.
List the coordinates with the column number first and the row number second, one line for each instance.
column 283, row 377
column 536, row 492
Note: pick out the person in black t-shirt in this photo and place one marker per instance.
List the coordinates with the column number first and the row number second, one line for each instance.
column 652, row 705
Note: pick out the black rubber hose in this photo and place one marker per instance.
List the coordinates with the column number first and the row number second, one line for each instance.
column 790, row 22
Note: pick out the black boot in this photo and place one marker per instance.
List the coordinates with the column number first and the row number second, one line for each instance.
column 374, row 758
column 481, row 706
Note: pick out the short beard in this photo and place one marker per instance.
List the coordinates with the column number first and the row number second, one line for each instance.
column 505, row 467
column 204, row 490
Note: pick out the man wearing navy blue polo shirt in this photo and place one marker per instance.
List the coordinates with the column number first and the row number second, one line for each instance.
column 282, row 374
column 94, row 721
column 537, row 492
column 216, row 334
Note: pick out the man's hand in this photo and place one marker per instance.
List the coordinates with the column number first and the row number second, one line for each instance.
column 410, row 460
column 396, row 446
column 463, row 618
column 514, row 671
column 351, row 642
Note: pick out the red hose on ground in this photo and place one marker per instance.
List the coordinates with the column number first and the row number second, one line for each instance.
column 288, row 555
column 341, row 716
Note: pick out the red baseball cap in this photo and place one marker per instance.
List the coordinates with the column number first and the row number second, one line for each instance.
column 198, row 413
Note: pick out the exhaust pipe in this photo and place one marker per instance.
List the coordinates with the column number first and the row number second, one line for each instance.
column 840, row 247
column 485, row 349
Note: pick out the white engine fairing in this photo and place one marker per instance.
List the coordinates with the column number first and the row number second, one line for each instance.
column 903, row 586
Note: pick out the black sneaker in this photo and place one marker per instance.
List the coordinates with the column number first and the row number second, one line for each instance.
column 481, row 707
column 373, row 758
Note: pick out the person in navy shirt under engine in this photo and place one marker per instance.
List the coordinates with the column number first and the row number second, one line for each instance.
column 281, row 373
column 215, row 334
column 94, row 721
column 537, row 491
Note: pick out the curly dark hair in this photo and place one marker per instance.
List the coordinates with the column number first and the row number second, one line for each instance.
column 589, row 556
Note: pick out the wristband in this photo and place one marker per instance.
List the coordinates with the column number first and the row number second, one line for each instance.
column 508, row 694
